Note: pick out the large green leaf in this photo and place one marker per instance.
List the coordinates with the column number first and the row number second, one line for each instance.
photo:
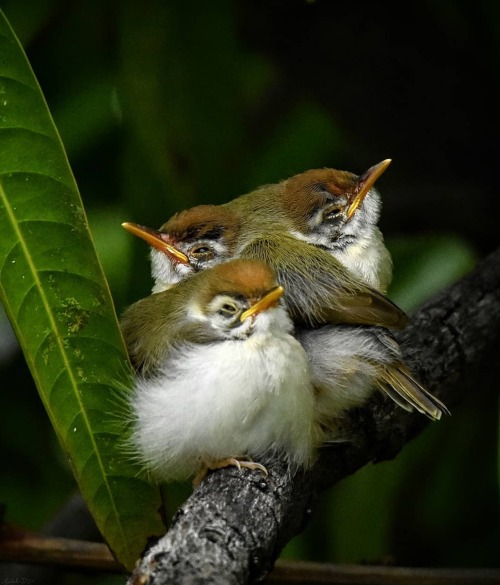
column 54, row 291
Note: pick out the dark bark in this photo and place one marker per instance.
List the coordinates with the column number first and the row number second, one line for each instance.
column 234, row 525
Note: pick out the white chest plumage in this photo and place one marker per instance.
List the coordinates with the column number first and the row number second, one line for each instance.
column 237, row 398
column 368, row 259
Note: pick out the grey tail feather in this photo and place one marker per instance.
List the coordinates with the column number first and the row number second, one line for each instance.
column 402, row 387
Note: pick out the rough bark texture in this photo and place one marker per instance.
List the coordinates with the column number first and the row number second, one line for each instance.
column 234, row 525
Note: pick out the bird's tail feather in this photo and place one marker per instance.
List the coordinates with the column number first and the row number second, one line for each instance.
column 401, row 386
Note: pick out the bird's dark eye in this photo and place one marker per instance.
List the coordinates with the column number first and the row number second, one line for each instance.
column 228, row 310
column 332, row 212
column 202, row 252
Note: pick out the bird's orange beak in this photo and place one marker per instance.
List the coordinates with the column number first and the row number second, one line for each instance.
column 158, row 240
column 269, row 300
column 364, row 184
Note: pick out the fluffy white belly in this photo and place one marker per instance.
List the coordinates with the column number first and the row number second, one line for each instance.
column 234, row 398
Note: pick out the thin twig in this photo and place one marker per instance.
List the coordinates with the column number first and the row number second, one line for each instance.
column 26, row 547
column 307, row 573
column 18, row 546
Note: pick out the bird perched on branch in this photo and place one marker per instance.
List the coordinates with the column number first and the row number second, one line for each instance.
column 220, row 376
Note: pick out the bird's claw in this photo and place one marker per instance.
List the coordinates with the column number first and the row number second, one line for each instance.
column 239, row 462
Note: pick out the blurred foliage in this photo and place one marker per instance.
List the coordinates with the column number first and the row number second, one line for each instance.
column 423, row 265
column 162, row 105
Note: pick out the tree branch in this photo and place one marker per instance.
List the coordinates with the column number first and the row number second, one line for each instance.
column 234, row 525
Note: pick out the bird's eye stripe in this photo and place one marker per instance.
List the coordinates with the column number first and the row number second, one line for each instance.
column 205, row 232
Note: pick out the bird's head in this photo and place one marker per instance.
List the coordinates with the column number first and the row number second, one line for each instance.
column 190, row 241
column 237, row 297
column 327, row 205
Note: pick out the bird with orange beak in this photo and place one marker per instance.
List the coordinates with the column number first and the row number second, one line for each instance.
column 220, row 380
column 338, row 211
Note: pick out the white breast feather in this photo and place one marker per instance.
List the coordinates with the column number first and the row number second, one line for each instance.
column 369, row 260
column 234, row 398
column 342, row 366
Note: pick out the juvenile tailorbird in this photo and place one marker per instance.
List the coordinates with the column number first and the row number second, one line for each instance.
column 338, row 211
column 221, row 378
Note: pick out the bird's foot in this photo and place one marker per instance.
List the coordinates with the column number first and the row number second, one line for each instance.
column 238, row 462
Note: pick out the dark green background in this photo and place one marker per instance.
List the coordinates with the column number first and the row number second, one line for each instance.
column 162, row 105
